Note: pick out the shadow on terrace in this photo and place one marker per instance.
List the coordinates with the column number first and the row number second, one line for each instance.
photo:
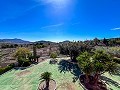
column 110, row 81
column 66, row 66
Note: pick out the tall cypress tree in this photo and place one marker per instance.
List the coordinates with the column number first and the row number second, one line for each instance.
column 34, row 52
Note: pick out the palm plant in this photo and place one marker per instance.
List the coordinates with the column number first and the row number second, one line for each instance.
column 96, row 64
column 103, row 62
column 97, row 67
column 46, row 76
column 112, row 67
column 87, row 70
column 85, row 64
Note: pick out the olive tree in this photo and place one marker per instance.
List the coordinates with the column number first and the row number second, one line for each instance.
column 22, row 54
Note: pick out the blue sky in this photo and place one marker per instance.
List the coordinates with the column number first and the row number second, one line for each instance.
column 59, row 20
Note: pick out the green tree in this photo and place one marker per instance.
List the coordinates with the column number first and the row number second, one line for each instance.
column 73, row 49
column 105, row 41
column 34, row 52
column 85, row 64
column 103, row 62
column 46, row 76
column 35, row 56
column 22, row 54
column 96, row 64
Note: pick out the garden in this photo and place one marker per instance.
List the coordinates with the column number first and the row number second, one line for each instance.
column 65, row 74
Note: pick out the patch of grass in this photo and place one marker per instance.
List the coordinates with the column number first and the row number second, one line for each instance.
column 113, row 82
column 10, row 80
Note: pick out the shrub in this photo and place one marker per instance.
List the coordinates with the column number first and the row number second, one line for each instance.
column 53, row 55
column 22, row 53
column 1, row 71
column 5, row 69
column 24, row 62
column 40, row 46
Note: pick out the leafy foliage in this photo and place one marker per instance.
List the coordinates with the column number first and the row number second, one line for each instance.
column 46, row 76
column 85, row 63
column 104, row 61
column 24, row 62
column 53, row 55
column 97, row 64
column 5, row 45
column 22, row 55
column 74, row 49
column 34, row 51
column 5, row 69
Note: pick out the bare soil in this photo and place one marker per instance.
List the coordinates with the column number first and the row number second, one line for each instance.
column 7, row 57
column 66, row 86
column 23, row 73
column 6, row 63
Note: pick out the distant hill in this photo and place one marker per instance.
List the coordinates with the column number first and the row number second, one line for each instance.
column 14, row 41
column 67, row 41
column 44, row 42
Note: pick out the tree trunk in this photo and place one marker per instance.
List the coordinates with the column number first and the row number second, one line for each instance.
column 71, row 56
column 47, row 84
column 96, row 78
column 34, row 53
column 87, row 78
column 74, row 59
column 37, row 60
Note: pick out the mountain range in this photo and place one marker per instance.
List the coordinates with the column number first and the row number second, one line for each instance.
column 14, row 41
column 20, row 41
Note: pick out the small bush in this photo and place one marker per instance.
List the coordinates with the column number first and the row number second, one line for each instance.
column 53, row 55
column 5, row 69
column 24, row 62
column 1, row 71
column 40, row 46
column 53, row 62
